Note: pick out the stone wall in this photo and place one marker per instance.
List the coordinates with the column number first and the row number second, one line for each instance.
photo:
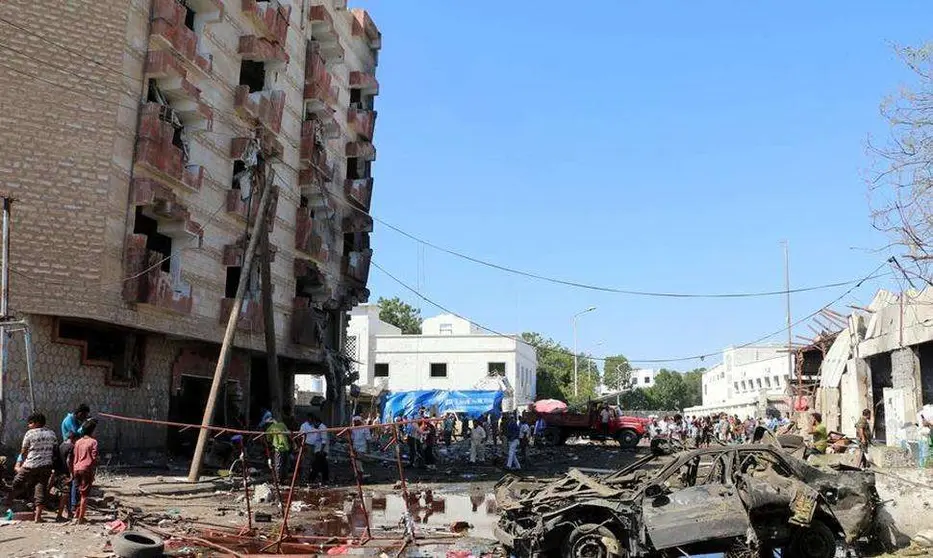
column 61, row 382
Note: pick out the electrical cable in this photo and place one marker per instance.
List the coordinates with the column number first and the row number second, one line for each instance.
column 638, row 361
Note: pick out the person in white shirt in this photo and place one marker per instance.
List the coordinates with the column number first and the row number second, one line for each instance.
column 360, row 439
column 524, row 437
column 477, row 442
column 604, row 419
column 316, row 446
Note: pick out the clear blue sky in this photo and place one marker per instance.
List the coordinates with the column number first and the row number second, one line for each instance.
column 645, row 145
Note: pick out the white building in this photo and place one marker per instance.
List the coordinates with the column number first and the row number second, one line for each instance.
column 747, row 381
column 643, row 377
column 450, row 353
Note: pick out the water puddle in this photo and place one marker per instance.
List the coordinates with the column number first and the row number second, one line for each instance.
column 338, row 513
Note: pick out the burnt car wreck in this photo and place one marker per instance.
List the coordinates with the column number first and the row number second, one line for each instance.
column 733, row 499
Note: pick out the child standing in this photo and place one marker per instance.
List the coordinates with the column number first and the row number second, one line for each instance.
column 84, row 465
column 63, row 467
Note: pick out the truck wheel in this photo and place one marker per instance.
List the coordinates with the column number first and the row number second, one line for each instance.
column 552, row 436
column 627, row 438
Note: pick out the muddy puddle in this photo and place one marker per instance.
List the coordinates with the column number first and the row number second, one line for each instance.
column 338, row 513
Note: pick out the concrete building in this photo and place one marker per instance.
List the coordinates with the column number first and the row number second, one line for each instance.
column 130, row 134
column 748, row 381
column 644, row 377
column 450, row 353
column 882, row 361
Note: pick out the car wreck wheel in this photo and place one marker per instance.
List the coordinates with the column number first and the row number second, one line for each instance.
column 815, row 541
column 592, row 541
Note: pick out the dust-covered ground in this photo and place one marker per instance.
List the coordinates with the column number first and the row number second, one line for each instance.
column 452, row 509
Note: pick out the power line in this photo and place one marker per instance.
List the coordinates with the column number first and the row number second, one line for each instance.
column 639, row 361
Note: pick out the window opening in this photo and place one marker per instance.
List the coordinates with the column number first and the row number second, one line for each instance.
column 438, row 369
column 233, row 280
column 381, row 370
column 189, row 18
column 155, row 241
column 496, row 368
column 253, row 74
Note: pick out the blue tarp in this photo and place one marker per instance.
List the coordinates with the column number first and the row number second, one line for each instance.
column 473, row 403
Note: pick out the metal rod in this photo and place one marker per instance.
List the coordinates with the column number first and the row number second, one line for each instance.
column 4, row 303
column 358, row 477
column 226, row 348
column 275, row 474
column 27, row 338
column 288, row 505
column 249, row 512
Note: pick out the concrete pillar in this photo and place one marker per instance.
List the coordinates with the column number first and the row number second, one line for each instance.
column 905, row 374
column 854, row 394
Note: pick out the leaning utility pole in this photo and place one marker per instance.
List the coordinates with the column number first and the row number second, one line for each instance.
column 226, row 348
column 790, row 345
column 268, row 310
column 4, row 302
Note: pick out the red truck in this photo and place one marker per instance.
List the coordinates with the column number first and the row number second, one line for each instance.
column 562, row 425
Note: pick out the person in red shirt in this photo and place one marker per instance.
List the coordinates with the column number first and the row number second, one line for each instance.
column 84, row 465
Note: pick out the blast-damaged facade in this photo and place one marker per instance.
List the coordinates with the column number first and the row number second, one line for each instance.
column 129, row 131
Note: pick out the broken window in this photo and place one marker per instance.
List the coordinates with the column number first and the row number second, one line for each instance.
column 239, row 168
column 358, row 169
column 233, row 280
column 253, row 75
column 189, row 18
column 155, row 241
column 495, row 368
column 121, row 352
column 356, row 98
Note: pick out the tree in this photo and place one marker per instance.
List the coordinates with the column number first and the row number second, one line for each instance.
column 901, row 182
column 669, row 391
column 693, row 380
column 555, row 370
column 617, row 373
column 400, row 314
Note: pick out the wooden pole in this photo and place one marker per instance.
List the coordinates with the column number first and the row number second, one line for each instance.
column 268, row 308
column 226, row 349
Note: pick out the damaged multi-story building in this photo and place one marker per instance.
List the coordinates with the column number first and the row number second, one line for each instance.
column 129, row 129
column 882, row 361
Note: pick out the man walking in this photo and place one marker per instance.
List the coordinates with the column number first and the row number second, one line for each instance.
column 277, row 434
column 478, row 442
column 863, row 430
column 511, row 435
column 604, row 420
column 316, row 443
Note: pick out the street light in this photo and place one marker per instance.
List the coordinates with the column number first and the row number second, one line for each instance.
column 576, row 387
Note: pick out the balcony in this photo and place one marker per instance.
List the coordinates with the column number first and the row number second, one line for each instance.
column 264, row 107
column 234, row 254
column 320, row 93
column 272, row 146
column 313, row 154
column 172, row 78
column 157, row 157
column 162, row 204
column 359, row 191
column 364, row 28
column 306, row 327
column 361, row 150
column 365, row 81
column 239, row 207
column 324, row 126
column 356, row 266
column 152, row 285
column 249, row 318
column 362, row 122
column 324, row 33
column 356, row 222
column 262, row 50
column 303, row 226
column 270, row 18
column 168, row 31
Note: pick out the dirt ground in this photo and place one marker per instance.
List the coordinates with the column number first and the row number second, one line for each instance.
column 156, row 494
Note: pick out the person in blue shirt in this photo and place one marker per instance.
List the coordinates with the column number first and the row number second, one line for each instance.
column 72, row 424
column 74, row 420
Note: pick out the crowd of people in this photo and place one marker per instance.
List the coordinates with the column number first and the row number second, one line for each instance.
column 63, row 467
